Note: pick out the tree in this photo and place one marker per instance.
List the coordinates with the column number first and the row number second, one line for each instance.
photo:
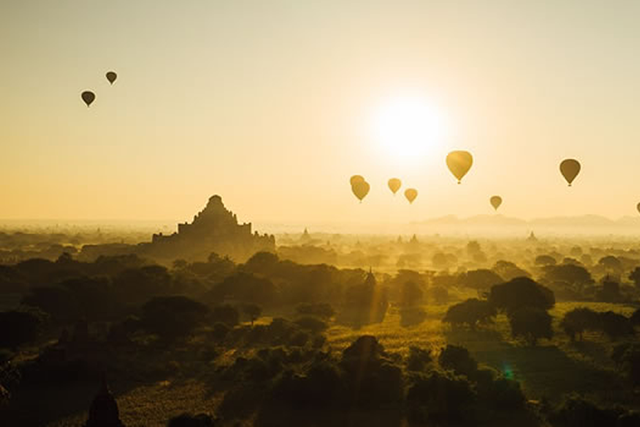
column 481, row 279
column 635, row 277
column 311, row 324
column 472, row 312
column 322, row 310
column 610, row 291
column 226, row 314
column 18, row 328
column 252, row 311
column 440, row 398
column 519, row 293
column 418, row 358
column 411, row 293
column 545, row 260
column 578, row 320
column 531, row 323
column 173, row 317
column 615, row 325
column 508, row 270
column 571, row 274
column 459, row 360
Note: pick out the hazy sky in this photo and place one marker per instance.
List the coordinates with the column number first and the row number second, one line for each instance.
column 271, row 104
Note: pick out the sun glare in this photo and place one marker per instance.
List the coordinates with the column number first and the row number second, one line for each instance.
column 408, row 127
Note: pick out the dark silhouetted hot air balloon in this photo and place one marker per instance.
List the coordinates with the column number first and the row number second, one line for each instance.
column 356, row 178
column 112, row 76
column 394, row 185
column 411, row 194
column 88, row 97
column 360, row 189
column 570, row 168
column 496, row 201
column 638, row 207
column 459, row 163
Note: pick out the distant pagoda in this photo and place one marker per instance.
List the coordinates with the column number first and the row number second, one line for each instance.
column 104, row 409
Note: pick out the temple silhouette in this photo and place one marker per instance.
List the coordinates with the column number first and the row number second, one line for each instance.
column 214, row 229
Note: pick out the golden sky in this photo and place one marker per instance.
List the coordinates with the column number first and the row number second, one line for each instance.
column 271, row 104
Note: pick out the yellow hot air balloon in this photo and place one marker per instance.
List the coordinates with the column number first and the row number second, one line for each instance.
column 459, row 163
column 411, row 194
column 570, row 168
column 360, row 189
column 638, row 207
column 356, row 178
column 88, row 97
column 111, row 76
column 394, row 185
column 496, row 201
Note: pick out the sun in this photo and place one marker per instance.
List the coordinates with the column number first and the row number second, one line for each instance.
column 409, row 127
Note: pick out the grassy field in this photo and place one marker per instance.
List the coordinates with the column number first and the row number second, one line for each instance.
column 550, row 370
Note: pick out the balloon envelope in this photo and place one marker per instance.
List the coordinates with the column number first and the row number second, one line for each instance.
column 638, row 207
column 394, row 185
column 411, row 194
column 459, row 163
column 496, row 201
column 112, row 76
column 570, row 168
column 88, row 97
column 356, row 178
column 360, row 189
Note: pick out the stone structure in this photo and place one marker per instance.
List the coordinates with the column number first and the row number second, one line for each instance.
column 215, row 229
column 104, row 409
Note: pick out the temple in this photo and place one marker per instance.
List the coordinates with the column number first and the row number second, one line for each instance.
column 104, row 409
column 214, row 229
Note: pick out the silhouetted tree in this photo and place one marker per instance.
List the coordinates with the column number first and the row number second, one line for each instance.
column 322, row 310
column 173, row 317
column 19, row 327
column 439, row 398
column 531, row 323
column 635, row 277
column 545, row 260
column 519, row 293
column 226, row 314
column 418, row 358
column 615, row 325
column 252, row 311
column 578, row 320
column 481, row 279
column 508, row 270
column 411, row 293
column 472, row 312
column 459, row 360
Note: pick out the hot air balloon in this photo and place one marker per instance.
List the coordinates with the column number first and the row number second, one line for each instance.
column 459, row 163
column 411, row 194
column 394, row 185
column 496, row 201
column 570, row 168
column 112, row 76
column 360, row 189
column 356, row 178
column 638, row 207
column 88, row 97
